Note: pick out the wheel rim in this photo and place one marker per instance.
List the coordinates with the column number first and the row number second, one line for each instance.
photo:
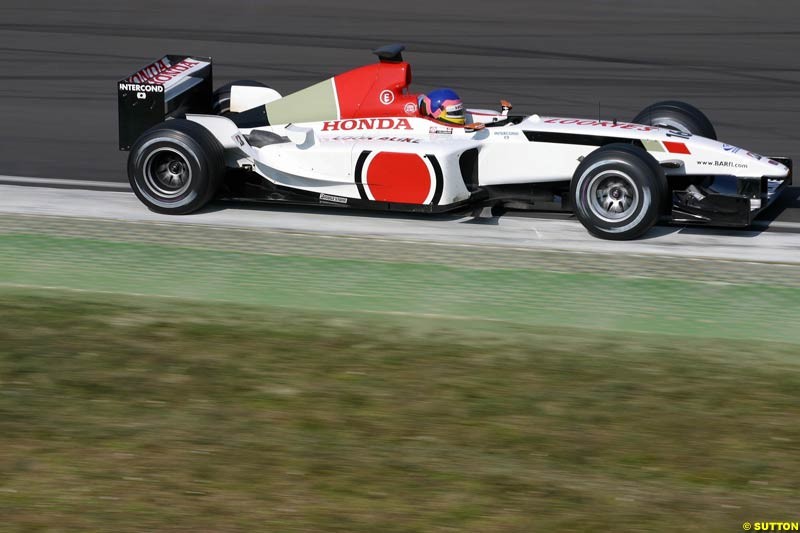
column 167, row 173
column 613, row 196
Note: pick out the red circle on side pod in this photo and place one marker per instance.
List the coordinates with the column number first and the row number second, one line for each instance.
column 396, row 177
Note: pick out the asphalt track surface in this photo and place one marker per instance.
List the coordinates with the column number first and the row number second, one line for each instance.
column 736, row 60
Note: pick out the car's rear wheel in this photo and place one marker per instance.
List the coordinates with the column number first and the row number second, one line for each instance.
column 677, row 116
column 176, row 167
column 221, row 100
column 618, row 192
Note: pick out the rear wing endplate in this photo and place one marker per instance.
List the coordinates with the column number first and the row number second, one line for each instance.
column 170, row 87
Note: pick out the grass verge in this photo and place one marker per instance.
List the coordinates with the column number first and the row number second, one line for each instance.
column 162, row 415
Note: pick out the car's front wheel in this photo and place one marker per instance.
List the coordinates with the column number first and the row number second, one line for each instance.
column 618, row 192
column 176, row 167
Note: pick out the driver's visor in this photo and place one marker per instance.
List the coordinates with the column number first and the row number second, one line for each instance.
column 452, row 111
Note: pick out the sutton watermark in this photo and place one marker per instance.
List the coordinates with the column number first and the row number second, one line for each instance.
column 771, row 526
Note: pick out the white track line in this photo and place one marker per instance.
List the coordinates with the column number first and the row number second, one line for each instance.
column 506, row 232
column 10, row 180
column 54, row 181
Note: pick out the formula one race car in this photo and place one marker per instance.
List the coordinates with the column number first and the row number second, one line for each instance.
column 361, row 140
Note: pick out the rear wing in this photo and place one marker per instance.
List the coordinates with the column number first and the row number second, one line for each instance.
column 169, row 87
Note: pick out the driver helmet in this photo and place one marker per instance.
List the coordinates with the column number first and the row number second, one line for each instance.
column 443, row 105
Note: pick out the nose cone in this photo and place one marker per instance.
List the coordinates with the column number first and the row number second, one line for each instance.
column 771, row 168
column 752, row 163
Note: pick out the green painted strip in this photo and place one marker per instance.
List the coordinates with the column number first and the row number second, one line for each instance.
column 525, row 296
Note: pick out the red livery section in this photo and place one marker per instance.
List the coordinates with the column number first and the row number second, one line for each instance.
column 676, row 148
column 378, row 90
column 399, row 177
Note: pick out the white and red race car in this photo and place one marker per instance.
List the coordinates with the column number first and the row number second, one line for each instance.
column 359, row 140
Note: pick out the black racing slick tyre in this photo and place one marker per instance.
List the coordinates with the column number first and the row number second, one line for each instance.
column 176, row 167
column 618, row 192
column 678, row 116
column 221, row 100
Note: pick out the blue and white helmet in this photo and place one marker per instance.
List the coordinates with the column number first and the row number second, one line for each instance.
column 443, row 105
